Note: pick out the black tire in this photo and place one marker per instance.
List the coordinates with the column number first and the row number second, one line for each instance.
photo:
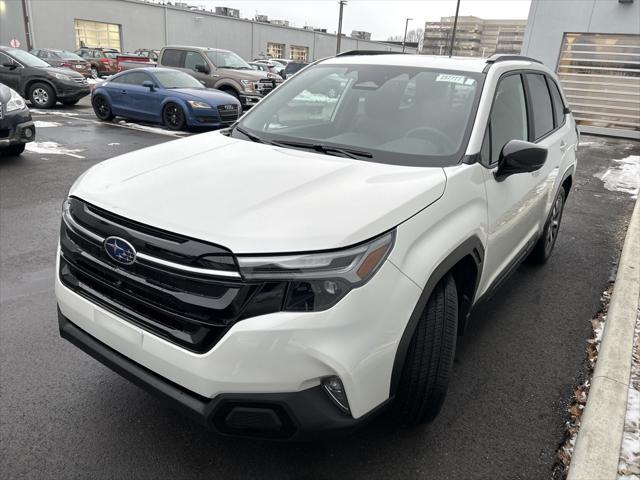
column 102, row 108
column 231, row 92
column 42, row 95
column 13, row 150
column 173, row 116
column 544, row 247
column 427, row 367
column 70, row 102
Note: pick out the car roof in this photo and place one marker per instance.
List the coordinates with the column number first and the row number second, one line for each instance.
column 190, row 47
column 468, row 64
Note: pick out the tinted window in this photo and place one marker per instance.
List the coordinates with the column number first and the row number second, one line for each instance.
column 6, row 59
column 133, row 78
column 508, row 115
column 176, row 79
column 541, row 105
column 558, row 104
column 192, row 59
column 172, row 58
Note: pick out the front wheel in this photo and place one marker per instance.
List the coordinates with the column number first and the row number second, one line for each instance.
column 102, row 108
column 543, row 248
column 173, row 116
column 42, row 96
column 427, row 367
column 13, row 150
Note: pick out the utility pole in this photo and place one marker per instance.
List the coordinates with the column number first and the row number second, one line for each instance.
column 27, row 22
column 404, row 39
column 342, row 4
column 455, row 25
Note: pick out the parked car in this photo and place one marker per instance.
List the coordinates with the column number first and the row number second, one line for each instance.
column 275, row 67
column 263, row 67
column 130, row 61
column 161, row 95
column 38, row 81
column 152, row 55
column 102, row 60
column 64, row 58
column 292, row 68
column 221, row 69
column 297, row 274
column 16, row 127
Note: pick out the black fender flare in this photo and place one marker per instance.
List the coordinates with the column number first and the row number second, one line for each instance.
column 472, row 246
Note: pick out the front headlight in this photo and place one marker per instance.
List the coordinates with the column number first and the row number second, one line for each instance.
column 61, row 76
column 16, row 102
column 247, row 85
column 197, row 104
column 318, row 280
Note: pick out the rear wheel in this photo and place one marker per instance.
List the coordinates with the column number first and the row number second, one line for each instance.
column 173, row 116
column 13, row 150
column 42, row 96
column 427, row 368
column 543, row 249
column 102, row 108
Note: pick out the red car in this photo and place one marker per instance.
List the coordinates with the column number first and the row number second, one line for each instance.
column 102, row 60
column 64, row 58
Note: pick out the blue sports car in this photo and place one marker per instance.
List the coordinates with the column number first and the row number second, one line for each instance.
column 166, row 96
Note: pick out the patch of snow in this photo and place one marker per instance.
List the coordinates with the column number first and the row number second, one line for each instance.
column 149, row 128
column 112, row 144
column 589, row 143
column 39, row 111
column 53, row 148
column 622, row 176
column 94, row 81
column 43, row 124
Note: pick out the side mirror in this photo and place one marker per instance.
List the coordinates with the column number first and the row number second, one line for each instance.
column 518, row 156
column 149, row 84
column 201, row 68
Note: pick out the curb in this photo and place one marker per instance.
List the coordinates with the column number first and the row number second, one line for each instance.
column 597, row 450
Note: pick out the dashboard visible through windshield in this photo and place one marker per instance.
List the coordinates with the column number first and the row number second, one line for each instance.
column 398, row 115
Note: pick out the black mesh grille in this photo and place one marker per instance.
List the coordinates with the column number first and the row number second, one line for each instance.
column 228, row 113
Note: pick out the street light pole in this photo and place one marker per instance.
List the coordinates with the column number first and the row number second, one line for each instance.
column 455, row 25
column 404, row 39
column 342, row 4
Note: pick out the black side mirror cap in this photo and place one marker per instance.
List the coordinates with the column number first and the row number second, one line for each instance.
column 518, row 156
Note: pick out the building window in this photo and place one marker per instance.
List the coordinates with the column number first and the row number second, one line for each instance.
column 97, row 34
column 300, row 54
column 275, row 50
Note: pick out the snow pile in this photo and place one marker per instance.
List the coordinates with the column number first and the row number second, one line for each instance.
column 622, row 176
column 53, row 148
column 43, row 124
column 629, row 466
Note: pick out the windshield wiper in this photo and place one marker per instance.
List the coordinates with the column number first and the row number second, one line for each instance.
column 252, row 137
column 327, row 149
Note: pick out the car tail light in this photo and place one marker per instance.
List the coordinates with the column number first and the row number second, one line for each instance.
column 105, row 60
column 65, row 64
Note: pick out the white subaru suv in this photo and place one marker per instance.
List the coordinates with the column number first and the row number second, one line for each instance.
column 302, row 271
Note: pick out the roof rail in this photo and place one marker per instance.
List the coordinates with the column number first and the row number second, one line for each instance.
column 365, row 52
column 504, row 57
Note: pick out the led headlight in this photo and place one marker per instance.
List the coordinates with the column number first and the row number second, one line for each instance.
column 316, row 281
column 197, row 104
column 247, row 85
column 61, row 76
column 16, row 102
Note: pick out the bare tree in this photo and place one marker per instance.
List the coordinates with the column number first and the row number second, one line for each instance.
column 412, row 36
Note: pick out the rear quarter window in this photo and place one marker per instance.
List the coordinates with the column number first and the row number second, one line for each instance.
column 540, row 105
column 558, row 104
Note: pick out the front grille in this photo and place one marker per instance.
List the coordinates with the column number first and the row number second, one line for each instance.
column 266, row 85
column 228, row 115
column 180, row 295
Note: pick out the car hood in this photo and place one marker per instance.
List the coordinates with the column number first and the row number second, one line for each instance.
column 63, row 70
column 216, row 97
column 257, row 198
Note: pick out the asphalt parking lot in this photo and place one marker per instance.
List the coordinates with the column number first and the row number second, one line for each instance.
column 64, row 415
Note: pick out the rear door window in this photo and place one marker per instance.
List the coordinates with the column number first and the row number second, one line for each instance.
column 173, row 58
column 540, row 105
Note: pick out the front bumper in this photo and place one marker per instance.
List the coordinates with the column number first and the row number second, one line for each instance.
column 72, row 92
column 12, row 133
column 276, row 354
column 248, row 101
column 304, row 415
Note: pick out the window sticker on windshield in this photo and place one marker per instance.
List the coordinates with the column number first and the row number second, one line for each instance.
column 444, row 77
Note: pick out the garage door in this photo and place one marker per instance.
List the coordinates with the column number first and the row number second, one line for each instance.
column 600, row 75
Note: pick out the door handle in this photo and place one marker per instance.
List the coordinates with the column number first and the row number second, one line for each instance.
column 563, row 146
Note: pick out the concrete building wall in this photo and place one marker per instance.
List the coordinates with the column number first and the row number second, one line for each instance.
column 548, row 22
column 145, row 25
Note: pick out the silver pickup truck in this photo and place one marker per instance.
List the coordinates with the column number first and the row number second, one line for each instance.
column 221, row 69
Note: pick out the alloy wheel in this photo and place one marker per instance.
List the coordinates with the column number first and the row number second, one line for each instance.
column 40, row 96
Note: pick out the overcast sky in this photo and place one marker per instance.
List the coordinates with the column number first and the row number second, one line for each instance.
column 382, row 18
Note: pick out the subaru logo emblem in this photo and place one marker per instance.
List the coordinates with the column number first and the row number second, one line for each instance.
column 120, row 250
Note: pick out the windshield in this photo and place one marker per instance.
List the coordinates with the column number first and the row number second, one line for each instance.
column 69, row 56
column 176, row 79
column 26, row 58
column 223, row 59
column 399, row 115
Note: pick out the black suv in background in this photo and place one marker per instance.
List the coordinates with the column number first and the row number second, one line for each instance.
column 38, row 81
column 16, row 127
column 292, row 68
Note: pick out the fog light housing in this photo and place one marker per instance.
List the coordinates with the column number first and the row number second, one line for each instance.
column 27, row 133
column 335, row 389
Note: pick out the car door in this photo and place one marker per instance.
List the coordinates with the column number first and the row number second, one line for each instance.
column 142, row 102
column 10, row 75
column 194, row 63
column 516, row 204
column 117, row 88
